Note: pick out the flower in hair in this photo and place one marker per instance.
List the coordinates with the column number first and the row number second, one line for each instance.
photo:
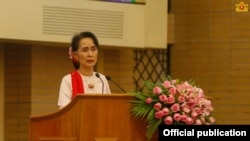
column 70, row 53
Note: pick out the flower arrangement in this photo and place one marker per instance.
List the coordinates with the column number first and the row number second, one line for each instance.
column 172, row 102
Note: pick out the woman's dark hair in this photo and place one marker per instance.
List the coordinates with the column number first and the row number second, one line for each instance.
column 76, row 40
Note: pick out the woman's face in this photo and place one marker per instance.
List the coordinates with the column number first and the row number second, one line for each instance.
column 87, row 53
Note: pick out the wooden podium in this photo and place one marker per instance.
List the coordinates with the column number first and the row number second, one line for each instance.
column 90, row 118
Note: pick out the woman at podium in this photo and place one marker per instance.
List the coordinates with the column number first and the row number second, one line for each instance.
column 83, row 79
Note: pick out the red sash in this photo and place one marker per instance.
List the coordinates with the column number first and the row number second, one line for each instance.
column 77, row 83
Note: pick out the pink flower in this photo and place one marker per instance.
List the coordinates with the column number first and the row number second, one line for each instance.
column 148, row 100
column 189, row 121
column 198, row 110
column 163, row 98
column 166, row 84
column 70, row 53
column 170, row 99
column 207, row 123
column 185, row 108
column 165, row 111
column 191, row 103
column 168, row 120
column 202, row 119
column 172, row 90
column 175, row 107
column 177, row 116
column 206, row 102
column 157, row 106
column 194, row 114
column 200, row 92
column 173, row 81
column 183, row 118
column 211, row 120
column 157, row 90
column 198, row 122
column 158, row 114
column 181, row 99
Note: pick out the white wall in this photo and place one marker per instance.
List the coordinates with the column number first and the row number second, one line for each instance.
column 115, row 24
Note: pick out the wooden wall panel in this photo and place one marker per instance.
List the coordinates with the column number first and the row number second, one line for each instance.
column 212, row 43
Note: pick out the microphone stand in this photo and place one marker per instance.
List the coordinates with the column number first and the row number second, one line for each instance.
column 109, row 78
column 98, row 75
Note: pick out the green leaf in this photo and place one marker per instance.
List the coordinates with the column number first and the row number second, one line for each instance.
column 149, row 85
column 152, row 127
column 151, row 115
column 140, row 110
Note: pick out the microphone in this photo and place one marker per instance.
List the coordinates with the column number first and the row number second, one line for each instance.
column 98, row 76
column 109, row 78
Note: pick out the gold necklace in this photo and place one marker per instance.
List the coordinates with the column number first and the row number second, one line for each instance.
column 91, row 84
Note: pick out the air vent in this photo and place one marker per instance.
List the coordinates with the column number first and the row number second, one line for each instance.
column 67, row 21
